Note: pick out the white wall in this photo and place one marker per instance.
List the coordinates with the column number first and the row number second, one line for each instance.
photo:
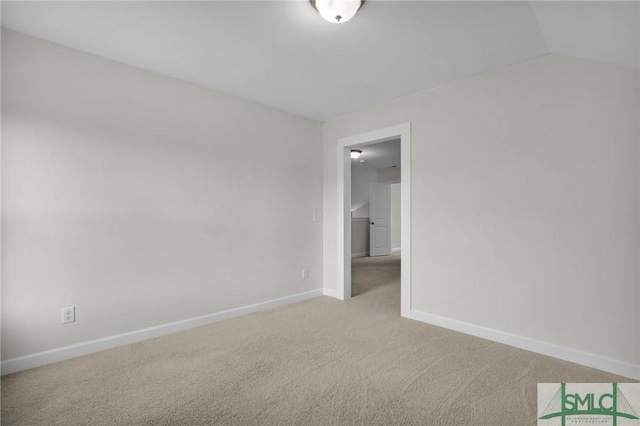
column 361, row 178
column 361, row 212
column 143, row 200
column 390, row 175
column 396, row 222
column 525, row 201
column 360, row 237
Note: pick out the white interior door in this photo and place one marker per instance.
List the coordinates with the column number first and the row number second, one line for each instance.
column 380, row 219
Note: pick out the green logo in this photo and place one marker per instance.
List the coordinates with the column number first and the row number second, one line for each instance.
column 613, row 404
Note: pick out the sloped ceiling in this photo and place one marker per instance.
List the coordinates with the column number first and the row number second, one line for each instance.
column 602, row 31
column 284, row 55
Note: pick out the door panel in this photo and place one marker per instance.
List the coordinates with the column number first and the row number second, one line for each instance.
column 380, row 219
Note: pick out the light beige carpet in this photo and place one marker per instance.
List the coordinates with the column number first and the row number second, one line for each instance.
column 318, row 362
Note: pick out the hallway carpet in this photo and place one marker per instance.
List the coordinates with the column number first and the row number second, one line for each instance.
column 317, row 362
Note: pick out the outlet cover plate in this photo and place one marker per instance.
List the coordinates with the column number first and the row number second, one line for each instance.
column 68, row 314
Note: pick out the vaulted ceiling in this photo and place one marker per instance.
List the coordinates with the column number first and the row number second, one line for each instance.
column 283, row 54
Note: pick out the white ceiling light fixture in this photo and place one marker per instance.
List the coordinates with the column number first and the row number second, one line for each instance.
column 355, row 154
column 337, row 11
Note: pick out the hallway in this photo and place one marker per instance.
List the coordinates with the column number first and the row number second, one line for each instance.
column 380, row 273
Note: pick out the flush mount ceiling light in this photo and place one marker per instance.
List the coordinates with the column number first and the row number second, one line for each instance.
column 355, row 154
column 337, row 11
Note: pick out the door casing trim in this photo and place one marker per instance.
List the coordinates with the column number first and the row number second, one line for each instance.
column 344, row 145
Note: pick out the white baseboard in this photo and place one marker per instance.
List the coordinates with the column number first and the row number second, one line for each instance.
column 331, row 293
column 394, row 249
column 363, row 254
column 60, row 354
column 567, row 354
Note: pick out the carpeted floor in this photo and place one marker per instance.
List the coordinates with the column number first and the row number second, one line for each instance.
column 318, row 362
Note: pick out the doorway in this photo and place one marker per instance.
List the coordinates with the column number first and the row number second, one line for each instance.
column 401, row 132
column 375, row 223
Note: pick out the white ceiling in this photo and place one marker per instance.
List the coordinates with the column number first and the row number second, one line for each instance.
column 603, row 31
column 379, row 156
column 285, row 55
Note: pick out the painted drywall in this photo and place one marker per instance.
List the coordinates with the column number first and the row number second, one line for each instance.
column 390, row 175
column 396, row 225
column 524, row 201
column 361, row 212
column 143, row 200
column 360, row 237
column 361, row 177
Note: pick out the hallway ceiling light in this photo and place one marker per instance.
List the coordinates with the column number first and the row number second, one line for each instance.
column 355, row 154
column 337, row 11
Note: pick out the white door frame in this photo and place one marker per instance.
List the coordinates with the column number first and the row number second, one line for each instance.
column 402, row 131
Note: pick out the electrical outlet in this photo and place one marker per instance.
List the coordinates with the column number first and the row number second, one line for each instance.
column 305, row 274
column 69, row 314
